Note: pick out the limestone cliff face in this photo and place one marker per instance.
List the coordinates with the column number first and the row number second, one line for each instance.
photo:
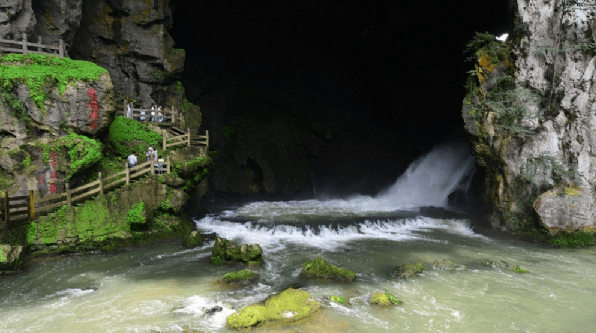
column 128, row 38
column 536, row 135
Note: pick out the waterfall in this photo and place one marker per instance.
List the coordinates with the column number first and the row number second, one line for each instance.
column 429, row 180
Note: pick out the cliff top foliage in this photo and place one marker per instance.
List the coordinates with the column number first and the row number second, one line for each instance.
column 486, row 44
column 37, row 69
column 127, row 135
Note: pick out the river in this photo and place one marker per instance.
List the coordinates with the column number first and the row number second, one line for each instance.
column 166, row 288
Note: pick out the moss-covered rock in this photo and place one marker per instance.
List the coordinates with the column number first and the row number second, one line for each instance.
column 409, row 270
column 446, row 265
column 226, row 252
column 242, row 278
column 192, row 240
column 289, row 306
column 384, row 299
column 320, row 269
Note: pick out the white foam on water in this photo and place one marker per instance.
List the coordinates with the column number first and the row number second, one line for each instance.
column 71, row 292
column 197, row 305
column 326, row 236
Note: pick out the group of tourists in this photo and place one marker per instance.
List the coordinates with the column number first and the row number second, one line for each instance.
column 150, row 155
column 154, row 109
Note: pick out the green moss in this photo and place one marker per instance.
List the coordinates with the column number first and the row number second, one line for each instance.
column 319, row 268
column 3, row 257
column 36, row 70
column 134, row 214
column 216, row 260
column 291, row 305
column 517, row 269
column 409, row 270
column 192, row 240
column 384, row 299
column 82, row 151
column 338, row 299
column 240, row 276
column 577, row 238
column 127, row 135
column 31, row 232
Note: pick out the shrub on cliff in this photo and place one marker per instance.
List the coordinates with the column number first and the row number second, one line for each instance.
column 127, row 135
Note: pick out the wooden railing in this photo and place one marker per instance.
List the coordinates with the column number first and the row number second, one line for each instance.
column 175, row 140
column 24, row 208
column 18, row 208
column 24, row 49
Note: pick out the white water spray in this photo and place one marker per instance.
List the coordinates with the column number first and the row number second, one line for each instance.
column 430, row 179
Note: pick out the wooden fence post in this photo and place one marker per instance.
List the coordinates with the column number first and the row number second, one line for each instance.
column 31, row 205
column 100, row 184
column 127, row 173
column 165, row 138
column 39, row 48
column 188, row 139
column 61, row 48
column 68, row 196
column 207, row 138
column 24, row 43
column 6, row 208
column 173, row 118
column 168, row 168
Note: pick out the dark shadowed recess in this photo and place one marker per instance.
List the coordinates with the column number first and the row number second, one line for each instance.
column 367, row 86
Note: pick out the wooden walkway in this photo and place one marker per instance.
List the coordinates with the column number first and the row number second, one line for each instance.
column 25, row 47
column 25, row 208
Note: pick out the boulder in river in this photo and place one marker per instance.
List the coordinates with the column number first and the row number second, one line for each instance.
column 320, row 269
column 409, row 270
column 226, row 252
column 289, row 306
column 446, row 265
column 384, row 299
column 241, row 278
column 504, row 265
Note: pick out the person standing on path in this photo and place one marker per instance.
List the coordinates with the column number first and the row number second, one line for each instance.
column 132, row 160
column 151, row 155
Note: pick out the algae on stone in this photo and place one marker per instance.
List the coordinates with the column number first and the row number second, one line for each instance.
column 289, row 306
column 518, row 269
column 384, row 299
column 243, row 277
column 409, row 270
column 226, row 252
column 320, row 269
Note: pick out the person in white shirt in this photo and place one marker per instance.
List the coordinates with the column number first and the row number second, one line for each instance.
column 132, row 160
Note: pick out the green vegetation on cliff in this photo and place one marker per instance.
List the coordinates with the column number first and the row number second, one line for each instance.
column 83, row 152
column 36, row 70
column 127, row 135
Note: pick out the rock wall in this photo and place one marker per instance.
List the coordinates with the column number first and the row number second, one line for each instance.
column 536, row 135
column 128, row 38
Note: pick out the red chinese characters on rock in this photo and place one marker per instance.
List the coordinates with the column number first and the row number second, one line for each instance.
column 94, row 106
column 54, row 178
column 41, row 178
